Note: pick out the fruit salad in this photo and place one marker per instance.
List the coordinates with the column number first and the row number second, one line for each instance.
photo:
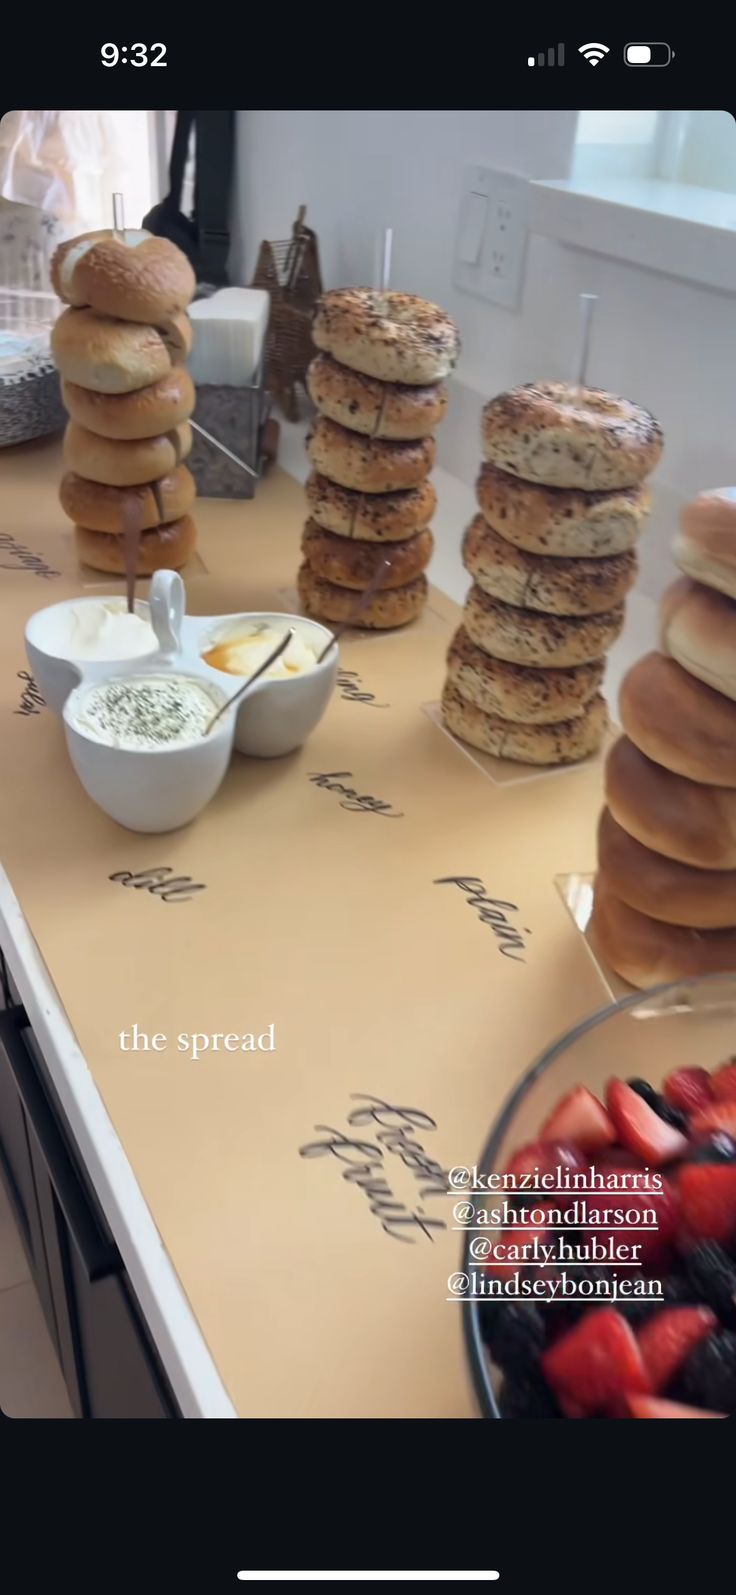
column 665, row 1355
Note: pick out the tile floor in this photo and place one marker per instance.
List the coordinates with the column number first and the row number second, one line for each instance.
column 31, row 1385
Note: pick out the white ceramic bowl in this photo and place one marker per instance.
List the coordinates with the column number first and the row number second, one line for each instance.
column 151, row 789
column 277, row 715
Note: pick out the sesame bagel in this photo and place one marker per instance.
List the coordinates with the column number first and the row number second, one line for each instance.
column 125, row 464
column 562, row 743
column 395, row 337
column 135, row 276
column 527, row 637
column 535, row 581
column 100, row 508
column 350, row 563
column 375, row 517
column 546, row 432
column 164, row 548
column 365, row 464
column 395, row 607
column 520, row 692
column 559, row 521
column 114, row 356
column 143, row 414
column 390, row 410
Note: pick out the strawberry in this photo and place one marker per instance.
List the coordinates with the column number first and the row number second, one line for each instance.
column 581, row 1119
column 545, row 1157
column 640, row 1128
column 717, row 1116
column 595, row 1363
column 667, row 1339
column 707, row 1194
column 656, row 1241
column 723, row 1082
column 649, row 1407
column 688, row 1089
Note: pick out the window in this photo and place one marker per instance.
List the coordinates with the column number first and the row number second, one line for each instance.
column 696, row 148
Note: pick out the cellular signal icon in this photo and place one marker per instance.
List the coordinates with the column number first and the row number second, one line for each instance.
column 593, row 52
column 551, row 57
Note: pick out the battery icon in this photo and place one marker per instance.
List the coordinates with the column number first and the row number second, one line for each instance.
column 648, row 54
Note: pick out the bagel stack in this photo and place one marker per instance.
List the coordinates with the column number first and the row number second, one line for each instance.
column 121, row 347
column 378, row 389
column 562, row 498
column 665, row 893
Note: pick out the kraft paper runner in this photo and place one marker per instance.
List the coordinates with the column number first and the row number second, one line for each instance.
column 320, row 912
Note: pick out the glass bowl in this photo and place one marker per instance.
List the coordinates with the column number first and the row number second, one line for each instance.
column 691, row 1024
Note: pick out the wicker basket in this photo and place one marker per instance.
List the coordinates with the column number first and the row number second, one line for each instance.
column 30, row 391
column 289, row 271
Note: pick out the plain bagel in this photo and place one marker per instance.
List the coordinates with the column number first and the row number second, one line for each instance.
column 560, row 521
column 165, row 548
column 113, row 509
column 545, row 433
column 698, row 629
column 395, row 607
column 683, row 819
column 367, row 465
column 395, row 337
column 535, row 581
column 136, row 277
column 645, row 952
column 519, row 692
column 705, row 547
column 527, row 637
column 676, row 893
column 119, row 464
column 143, row 414
column 560, row 743
column 117, row 356
column 375, row 517
column 678, row 721
column 390, row 410
column 350, row 563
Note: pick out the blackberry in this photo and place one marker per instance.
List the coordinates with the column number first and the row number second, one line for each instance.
column 708, row 1378
column 719, row 1148
column 653, row 1099
column 679, row 1291
column 516, row 1337
column 637, row 1309
column 712, row 1276
column 527, row 1398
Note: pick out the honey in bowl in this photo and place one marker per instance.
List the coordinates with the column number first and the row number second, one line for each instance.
column 241, row 653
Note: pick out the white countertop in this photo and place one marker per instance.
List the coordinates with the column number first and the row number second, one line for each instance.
column 173, row 1327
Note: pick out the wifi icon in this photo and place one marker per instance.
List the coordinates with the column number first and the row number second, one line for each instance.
column 593, row 52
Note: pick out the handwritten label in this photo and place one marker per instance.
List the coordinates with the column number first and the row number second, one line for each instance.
column 492, row 911
column 31, row 701
column 351, row 799
column 24, row 559
column 365, row 1164
column 351, row 688
column 160, row 882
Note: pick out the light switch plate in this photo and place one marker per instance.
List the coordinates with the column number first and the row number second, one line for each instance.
column 490, row 240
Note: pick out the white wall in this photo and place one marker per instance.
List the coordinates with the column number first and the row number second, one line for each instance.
column 664, row 342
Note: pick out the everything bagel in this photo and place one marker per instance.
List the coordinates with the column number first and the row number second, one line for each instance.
column 326, row 601
column 350, row 563
column 543, row 432
column 376, row 517
column 390, row 410
column 367, row 465
column 561, row 522
column 520, row 692
column 534, row 581
column 395, row 337
column 561, row 743
column 527, row 637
